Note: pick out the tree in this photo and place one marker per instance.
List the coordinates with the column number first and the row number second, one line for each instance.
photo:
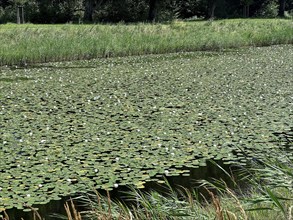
column 212, row 4
column 246, row 6
column 4, row 3
column 282, row 4
column 19, row 7
column 89, row 8
column 152, row 10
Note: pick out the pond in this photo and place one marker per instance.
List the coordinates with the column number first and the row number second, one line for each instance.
column 69, row 127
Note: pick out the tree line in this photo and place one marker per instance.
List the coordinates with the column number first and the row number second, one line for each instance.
column 88, row 11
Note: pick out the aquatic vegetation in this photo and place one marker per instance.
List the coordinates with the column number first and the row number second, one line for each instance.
column 73, row 126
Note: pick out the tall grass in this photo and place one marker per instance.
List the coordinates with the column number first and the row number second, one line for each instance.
column 24, row 44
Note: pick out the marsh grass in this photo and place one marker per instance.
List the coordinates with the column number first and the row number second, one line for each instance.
column 25, row 44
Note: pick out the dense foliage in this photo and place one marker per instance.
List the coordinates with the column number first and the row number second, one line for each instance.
column 61, row 11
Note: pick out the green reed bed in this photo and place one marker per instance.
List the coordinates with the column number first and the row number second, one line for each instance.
column 22, row 44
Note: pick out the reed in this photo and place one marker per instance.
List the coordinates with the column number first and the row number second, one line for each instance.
column 28, row 43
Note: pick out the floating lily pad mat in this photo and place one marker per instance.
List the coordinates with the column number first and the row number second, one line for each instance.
column 68, row 127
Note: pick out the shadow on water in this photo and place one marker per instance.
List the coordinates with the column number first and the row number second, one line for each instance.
column 15, row 79
column 172, row 55
column 45, row 211
column 285, row 138
column 51, row 67
column 208, row 172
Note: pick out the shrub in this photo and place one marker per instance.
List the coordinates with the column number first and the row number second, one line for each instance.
column 269, row 9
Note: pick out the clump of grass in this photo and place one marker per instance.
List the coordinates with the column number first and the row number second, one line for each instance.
column 145, row 205
column 71, row 212
column 273, row 183
column 270, row 191
column 28, row 43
